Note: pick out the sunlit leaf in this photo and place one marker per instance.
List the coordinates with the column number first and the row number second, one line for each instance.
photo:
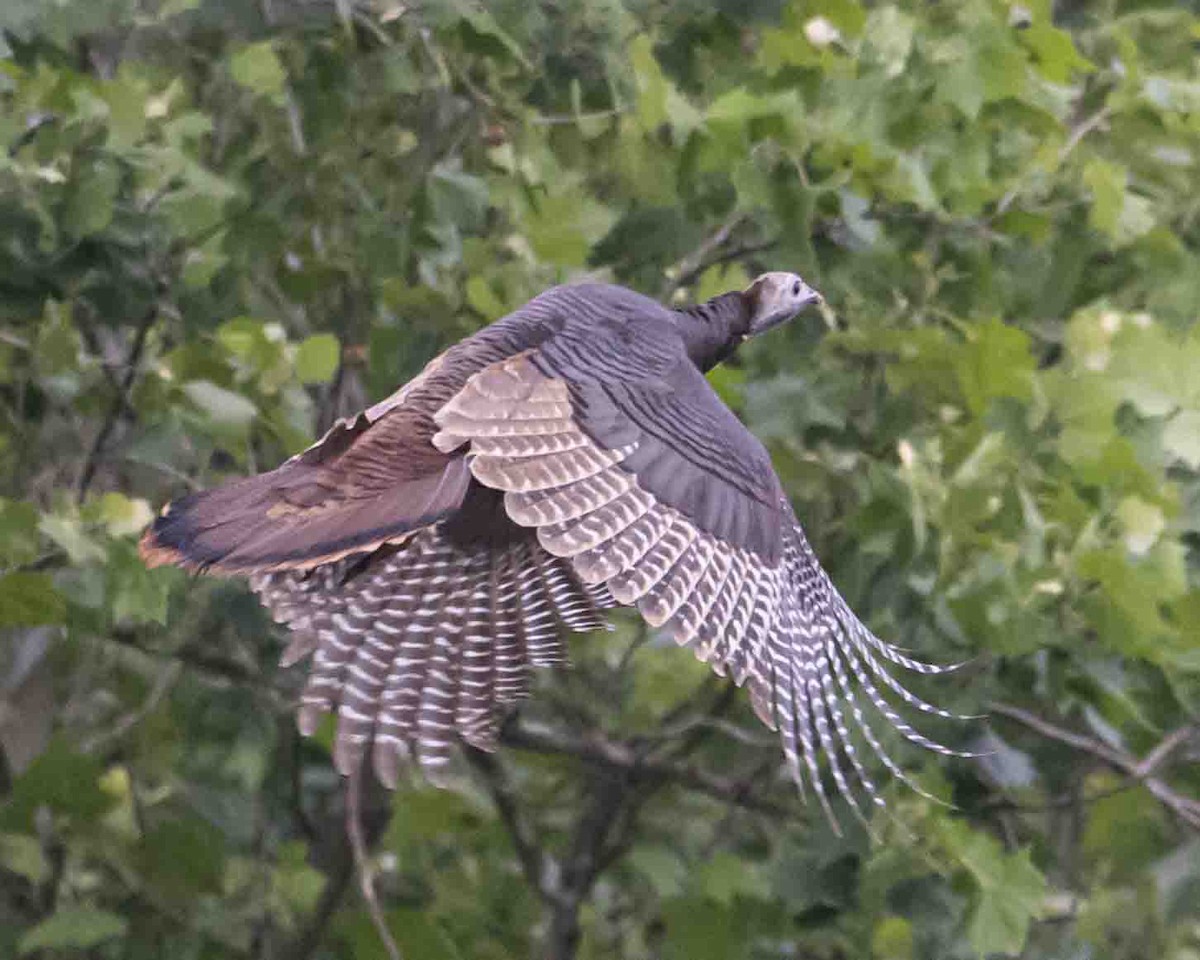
column 223, row 407
column 1010, row 890
column 317, row 358
column 258, row 68
column 76, row 928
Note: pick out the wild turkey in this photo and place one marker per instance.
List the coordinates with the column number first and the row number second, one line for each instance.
column 569, row 458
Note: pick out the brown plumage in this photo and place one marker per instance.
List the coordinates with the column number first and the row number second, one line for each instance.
column 569, row 458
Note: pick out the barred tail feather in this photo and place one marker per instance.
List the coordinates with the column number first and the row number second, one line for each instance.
column 425, row 642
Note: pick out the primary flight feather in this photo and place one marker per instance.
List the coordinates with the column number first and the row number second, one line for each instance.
column 569, row 458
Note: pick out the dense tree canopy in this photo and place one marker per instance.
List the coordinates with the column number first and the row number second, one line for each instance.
column 223, row 224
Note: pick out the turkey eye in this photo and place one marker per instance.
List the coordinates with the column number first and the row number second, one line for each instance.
column 796, row 289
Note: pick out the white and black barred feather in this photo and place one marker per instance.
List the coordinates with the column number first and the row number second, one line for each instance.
column 776, row 625
column 567, row 459
column 426, row 642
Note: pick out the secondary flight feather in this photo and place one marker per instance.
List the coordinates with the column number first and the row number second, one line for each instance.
column 567, row 459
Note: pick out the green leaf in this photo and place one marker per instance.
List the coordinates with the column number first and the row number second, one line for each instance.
column 68, row 532
column 223, row 407
column 1181, row 437
column 317, row 358
column 127, row 108
column 725, row 877
column 740, row 105
column 419, row 934
column 995, row 363
column 720, row 279
column 124, row 516
column 57, row 347
column 1141, row 524
column 652, row 85
column 729, row 382
column 135, row 593
column 1126, row 613
column 202, row 263
column 959, row 84
column 76, row 928
column 257, row 67
column 1115, row 212
column 562, row 228
column 662, row 867
column 892, row 939
column 297, row 881
column 30, row 599
column 1055, row 51
column 1010, row 889
column 1001, row 63
column 1137, row 217
column 257, row 343
column 482, row 298
column 60, row 779
column 24, row 856
column 457, row 197
column 700, row 930
column 1107, row 183
column 1153, row 369
column 18, row 532
column 183, row 857
column 485, row 26
column 92, row 200
column 1124, row 829
column 888, row 39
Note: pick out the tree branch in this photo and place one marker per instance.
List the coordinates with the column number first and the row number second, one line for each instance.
column 120, row 402
column 1076, row 137
column 578, row 869
column 529, row 853
column 363, row 866
column 619, row 757
column 337, row 882
column 622, row 779
column 1184, row 808
column 710, row 253
column 167, row 675
column 215, row 670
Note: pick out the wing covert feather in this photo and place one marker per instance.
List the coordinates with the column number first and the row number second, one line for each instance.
column 735, row 581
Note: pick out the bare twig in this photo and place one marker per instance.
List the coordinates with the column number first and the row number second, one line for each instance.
column 1184, row 808
column 619, row 757
column 530, row 854
column 626, row 779
column 362, row 862
column 564, row 119
column 579, row 867
column 167, row 675
column 215, row 670
column 33, row 124
column 1078, row 132
column 120, row 401
column 684, row 271
column 332, row 894
column 1168, row 745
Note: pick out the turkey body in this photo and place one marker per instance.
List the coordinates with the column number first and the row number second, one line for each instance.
column 567, row 459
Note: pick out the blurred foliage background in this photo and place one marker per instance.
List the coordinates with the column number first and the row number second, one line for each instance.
column 224, row 224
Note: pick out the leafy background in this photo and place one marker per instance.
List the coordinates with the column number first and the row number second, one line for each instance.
column 224, row 224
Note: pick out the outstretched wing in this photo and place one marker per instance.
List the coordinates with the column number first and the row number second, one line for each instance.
column 652, row 488
column 370, row 481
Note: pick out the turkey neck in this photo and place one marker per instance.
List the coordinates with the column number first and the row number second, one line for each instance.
column 711, row 331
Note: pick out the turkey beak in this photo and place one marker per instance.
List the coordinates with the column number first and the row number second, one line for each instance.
column 809, row 296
